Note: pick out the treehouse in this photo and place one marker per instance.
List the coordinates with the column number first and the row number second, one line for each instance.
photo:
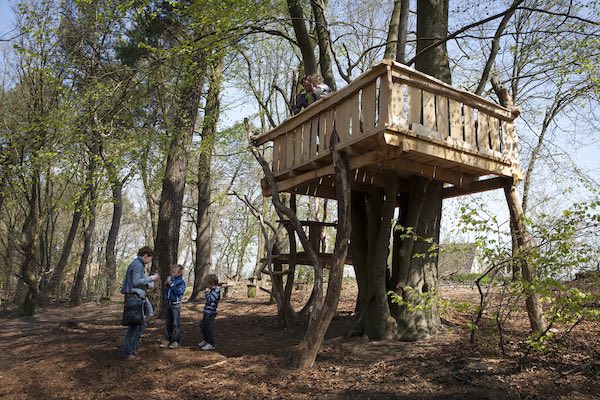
column 393, row 118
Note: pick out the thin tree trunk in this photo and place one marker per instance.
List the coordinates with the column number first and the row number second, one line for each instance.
column 302, row 37
column 113, row 233
column 57, row 276
column 403, row 31
column 392, row 37
column 203, row 260
column 27, row 243
column 534, row 306
column 87, row 249
column 324, row 311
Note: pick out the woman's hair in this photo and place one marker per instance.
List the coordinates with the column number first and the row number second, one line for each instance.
column 211, row 279
column 146, row 250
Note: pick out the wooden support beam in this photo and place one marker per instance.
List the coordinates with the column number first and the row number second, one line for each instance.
column 477, row 187
column 427, row 171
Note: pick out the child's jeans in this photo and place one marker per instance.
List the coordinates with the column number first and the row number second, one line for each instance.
column 206, row 326
column 173, row 327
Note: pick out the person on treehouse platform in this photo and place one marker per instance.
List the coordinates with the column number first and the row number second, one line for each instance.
column 313, row 88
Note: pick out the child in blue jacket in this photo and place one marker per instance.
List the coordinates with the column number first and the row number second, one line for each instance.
column 174, row 289
column 213, row 295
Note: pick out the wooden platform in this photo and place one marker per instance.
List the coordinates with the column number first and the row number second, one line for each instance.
column 393, row 118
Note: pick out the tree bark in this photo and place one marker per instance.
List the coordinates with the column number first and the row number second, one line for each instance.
column 417, row 277
column 27, row 244
column 392, row 37
column 403, row 31
column 75, row 299
column 324, row 311
column 203, row 260
column 113, row 233
column 302, row 37
column 534, row 306
column 57, row 276
column 173, row 184
column 325, row 52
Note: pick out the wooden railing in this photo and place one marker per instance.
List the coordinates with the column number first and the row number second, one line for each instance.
column 391, row 97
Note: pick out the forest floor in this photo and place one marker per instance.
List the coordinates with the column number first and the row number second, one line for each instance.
column 46, row 357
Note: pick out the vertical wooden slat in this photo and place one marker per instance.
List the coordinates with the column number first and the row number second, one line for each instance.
column 429, row 110
column 368, row 106
column 297, row 146
column 329, row 123
column 355, row 114
column 456, row 125
column 442, row 118
column 289, row 161
column 483, row 135
column 495, row 133
column 385, row 93
column 342, row 120
column 414, row 105
column 276, row 165
column 283, row 152
column 397, row 104
column 306, row 136
column 511, row 141
column 469, row 126
column 322, row 129
column 316, row 127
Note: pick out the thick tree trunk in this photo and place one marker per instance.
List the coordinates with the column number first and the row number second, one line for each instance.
column 324, row 311
column 417, row 277
column 325, row 55
column 302, row 37
column 534, row 306
column 87, row 249
column 203, row 260
column 57, row 276
column 373, row 312
column 402, row 31
column 173, row 185
column 113, row 233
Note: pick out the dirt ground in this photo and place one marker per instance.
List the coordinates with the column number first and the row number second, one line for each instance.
column 45, row 357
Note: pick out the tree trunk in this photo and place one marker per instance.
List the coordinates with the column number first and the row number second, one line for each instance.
column 173, row 184
column 325, row 55
column 373, row 312
column 27, row 243
column 417, row 276
column 302, row 36
column 324, row 311
column 57, row 276
column 87, row 249
column 113, row 233
column 534, row 306
column 203, row 260
column 402, row 31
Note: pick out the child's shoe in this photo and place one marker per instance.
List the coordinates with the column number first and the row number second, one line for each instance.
column 164, row 344
column 202, row 344
column 174, row 345
column 208, row 346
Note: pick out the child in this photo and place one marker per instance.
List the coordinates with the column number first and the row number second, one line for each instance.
column 174, row 289
column 212, row 295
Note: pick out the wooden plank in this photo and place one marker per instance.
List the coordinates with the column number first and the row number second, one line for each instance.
column 329, row 125
column 477, row 187
column 414, row 105
column 306, row 132
column 283, row 152
column 355, row 115
column 456, row 124
column 276, row 163
column 322, row 130
column 494, row 133
column 385, row 94
column 442, row 117
column 428, row 171
column 397, row 105
column 428, row 110
column 469, row 126
column 368, row 106
column 289, row 160
column 297, row 146
column 342, row 120
column 483, row 131
column 511, row 136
